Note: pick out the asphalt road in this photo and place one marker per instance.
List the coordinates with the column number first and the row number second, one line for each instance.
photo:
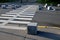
column 42, row 34
column 47, row 18
column 42, row 18
column 3, row 11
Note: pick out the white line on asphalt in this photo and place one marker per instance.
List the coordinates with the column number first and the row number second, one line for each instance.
column 16, row 15
column 17, row 28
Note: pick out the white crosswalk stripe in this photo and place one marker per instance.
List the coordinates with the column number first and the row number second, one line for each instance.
column 24, row 18
column 22, row 15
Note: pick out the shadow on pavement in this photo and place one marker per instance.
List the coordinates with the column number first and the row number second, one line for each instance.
column 48, row 35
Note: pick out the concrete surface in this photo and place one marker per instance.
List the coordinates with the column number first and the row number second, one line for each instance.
column 43, row 18
column 42, row 34
column 47, row 18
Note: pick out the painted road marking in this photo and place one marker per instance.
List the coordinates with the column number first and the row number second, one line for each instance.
column 42, row 26
column 17, row 28
column 19, row 22
column 16, row 15
column 48, row 27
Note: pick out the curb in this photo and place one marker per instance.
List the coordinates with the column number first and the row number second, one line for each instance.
column 48, row 27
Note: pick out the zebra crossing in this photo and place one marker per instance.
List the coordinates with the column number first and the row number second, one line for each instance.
column 23, row 15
